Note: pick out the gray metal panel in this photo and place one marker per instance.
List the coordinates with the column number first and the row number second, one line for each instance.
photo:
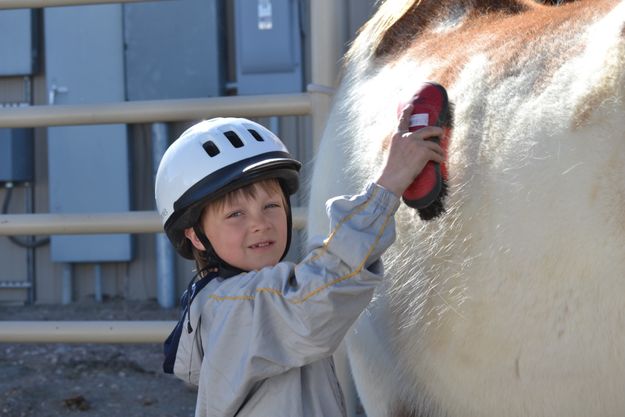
column 173, row 49
column 88, row 165
column 16, row 155
column 268, row 46
column 89, row 173
column 17, row 53
column 84, row 53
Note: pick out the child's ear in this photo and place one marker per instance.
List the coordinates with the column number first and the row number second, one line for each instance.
column 190, row 234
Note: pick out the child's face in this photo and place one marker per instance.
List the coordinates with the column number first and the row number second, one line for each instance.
column 248, row 232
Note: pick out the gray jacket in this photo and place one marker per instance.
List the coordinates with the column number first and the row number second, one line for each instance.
column 261, row 342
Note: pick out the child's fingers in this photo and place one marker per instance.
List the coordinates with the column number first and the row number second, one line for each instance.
column 404, row 119
column 435, row 152
column 434, row 147
column 427, row 132
column 421, row 136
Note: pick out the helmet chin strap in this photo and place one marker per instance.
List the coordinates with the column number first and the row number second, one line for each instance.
column 224, row 269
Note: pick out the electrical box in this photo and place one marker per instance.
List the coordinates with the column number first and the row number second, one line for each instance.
column 16, row 155
column 174, row 49
column 268, row 44
column 88, row 166
column 18, row 41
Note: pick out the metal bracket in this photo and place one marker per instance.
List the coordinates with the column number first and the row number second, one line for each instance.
column 54, row 90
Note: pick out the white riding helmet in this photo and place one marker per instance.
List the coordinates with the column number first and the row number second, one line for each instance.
column 211, row 159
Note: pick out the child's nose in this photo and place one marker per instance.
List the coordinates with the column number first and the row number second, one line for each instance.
column 260, row 222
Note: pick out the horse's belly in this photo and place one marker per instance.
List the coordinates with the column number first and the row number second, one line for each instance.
column 523, row 360
column 515, row 318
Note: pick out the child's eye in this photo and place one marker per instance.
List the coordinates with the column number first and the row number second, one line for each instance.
column 273, row 205
column 234, row 214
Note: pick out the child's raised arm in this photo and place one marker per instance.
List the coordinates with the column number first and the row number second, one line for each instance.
column 408, row 154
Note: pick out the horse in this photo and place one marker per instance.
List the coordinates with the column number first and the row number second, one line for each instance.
column 510, row 301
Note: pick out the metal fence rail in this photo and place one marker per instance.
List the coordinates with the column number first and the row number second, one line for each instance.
column 85, row 331
column 37, row 4
column 88, row 223
column 157, row 110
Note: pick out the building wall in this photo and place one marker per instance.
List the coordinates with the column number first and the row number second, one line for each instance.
column 135, row 279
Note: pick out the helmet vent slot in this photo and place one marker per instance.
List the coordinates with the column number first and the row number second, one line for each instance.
column 210, row 148
column 256, row 135
column 234, row 139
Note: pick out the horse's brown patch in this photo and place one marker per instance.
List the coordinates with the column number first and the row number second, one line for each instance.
column 420, row 16
column 512, row 33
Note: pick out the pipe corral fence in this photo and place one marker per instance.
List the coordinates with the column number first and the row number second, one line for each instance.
column 315, row 102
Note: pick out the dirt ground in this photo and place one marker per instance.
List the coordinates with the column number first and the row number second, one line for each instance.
column 94, row 380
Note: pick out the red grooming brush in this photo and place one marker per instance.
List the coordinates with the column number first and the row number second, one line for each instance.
column 430, row 108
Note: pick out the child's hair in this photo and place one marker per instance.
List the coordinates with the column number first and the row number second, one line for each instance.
column 270, row 185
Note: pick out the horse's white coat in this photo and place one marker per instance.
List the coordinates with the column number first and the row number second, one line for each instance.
column 512, row 302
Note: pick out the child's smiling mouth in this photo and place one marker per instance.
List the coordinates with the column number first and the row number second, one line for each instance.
column 261, row 245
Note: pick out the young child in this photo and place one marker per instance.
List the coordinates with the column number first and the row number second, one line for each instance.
column 259, row 333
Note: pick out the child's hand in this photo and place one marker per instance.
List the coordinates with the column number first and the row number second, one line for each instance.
column 408, row 154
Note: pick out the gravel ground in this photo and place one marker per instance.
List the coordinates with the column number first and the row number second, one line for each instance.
column 97, row 380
